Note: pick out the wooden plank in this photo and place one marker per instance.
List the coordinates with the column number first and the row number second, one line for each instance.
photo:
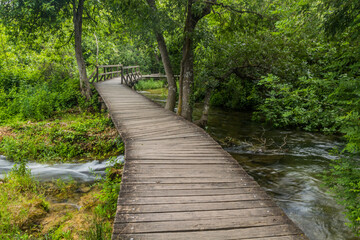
column 198, row 215
column 184, row 186
column 237, row 233
column 193, row 161
column 171, row 173
column 179, row 136
column 144, row 166
column 156, row 128
column 131, row 179
column 129, row 199
column 148, row 120
column 188, row 207
column 163, row 133
column 198, row 225
column 169, row 155
column 192, row 192
column 180, row 160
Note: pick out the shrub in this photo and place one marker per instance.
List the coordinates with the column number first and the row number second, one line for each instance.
column 149, row 84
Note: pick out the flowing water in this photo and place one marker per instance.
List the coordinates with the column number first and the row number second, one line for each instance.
column 286, row 163
column 79, row 172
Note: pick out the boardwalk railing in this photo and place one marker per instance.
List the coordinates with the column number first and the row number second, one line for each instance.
column 129, row 75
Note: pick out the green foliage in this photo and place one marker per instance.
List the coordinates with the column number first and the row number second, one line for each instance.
column 343, row 178
column 71, row 136
column 235, row 94
column 342, row 15
column 149, row 84
column 35, row 81
column 110, row 187
column 39, row 102
column 100, row 230
column 307, row 105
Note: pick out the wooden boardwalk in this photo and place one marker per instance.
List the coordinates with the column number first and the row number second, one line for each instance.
column 178, row 183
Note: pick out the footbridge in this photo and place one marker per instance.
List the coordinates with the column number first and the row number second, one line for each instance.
column 178, row 183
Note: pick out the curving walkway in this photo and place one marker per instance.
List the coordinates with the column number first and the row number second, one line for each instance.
column 178, row 183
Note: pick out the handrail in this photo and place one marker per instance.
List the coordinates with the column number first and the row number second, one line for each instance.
column 131, row 67
column 128, row 74
column 102, row 66
column 92, row 76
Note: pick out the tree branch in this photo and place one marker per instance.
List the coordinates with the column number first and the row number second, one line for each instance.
column 231, row 8
column 89, row 16
column 67, row 42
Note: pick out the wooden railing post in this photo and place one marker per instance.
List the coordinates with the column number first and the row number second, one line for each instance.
column 122, row 74
column 97, row 73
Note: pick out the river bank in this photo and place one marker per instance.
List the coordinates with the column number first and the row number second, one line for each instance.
column 70, row 136
column 50, row 185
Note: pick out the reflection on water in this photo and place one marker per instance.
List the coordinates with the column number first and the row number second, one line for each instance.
column 80, row 172
column 290, row 175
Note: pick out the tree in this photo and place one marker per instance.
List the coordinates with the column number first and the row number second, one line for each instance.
column 195, row 11
column 172, row 89
column 78, row 9
column 140, row 17
column 31, row 16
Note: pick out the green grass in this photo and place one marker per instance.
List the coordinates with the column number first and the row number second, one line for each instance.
column 150, row 84
column 20, row 200
column 70, row 136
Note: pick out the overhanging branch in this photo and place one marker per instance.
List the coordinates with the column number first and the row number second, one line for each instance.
column 67, row 42
column 232, row 8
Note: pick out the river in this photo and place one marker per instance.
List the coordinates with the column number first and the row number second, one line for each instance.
column 86, row 172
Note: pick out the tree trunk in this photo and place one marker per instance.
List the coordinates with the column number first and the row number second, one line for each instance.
column 172, row 89
column 187, row 67
column 77, row 20
column 186, row 80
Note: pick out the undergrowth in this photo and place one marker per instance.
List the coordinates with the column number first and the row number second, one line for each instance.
column 149, row 84
column 70, row 136
column 28, row 209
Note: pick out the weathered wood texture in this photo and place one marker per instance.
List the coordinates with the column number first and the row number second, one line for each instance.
column 178, row 183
